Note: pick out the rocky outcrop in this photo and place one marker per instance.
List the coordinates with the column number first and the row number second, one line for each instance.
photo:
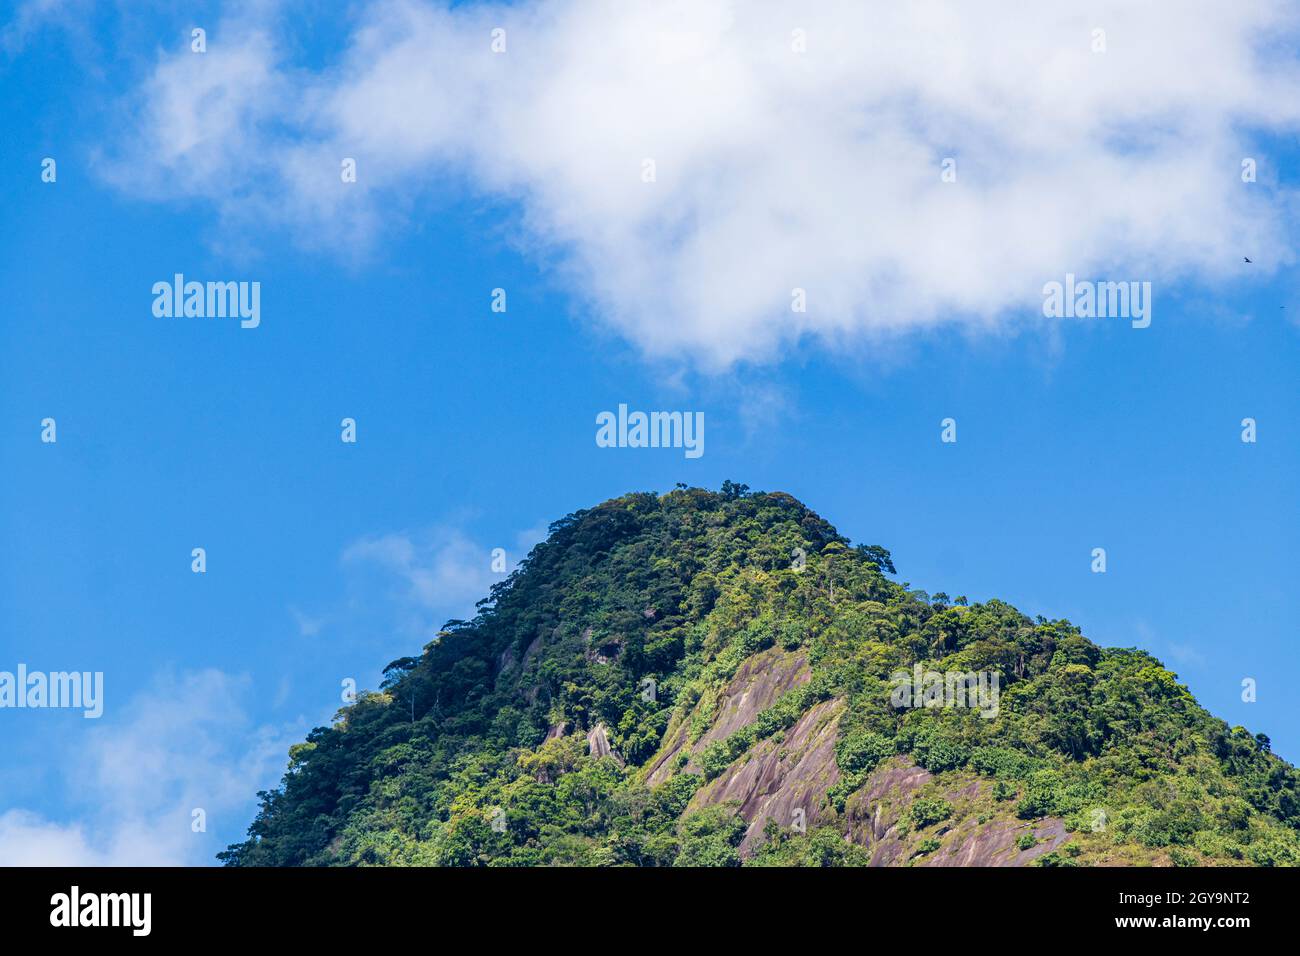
column 533, row 650
column 994, row 844
column 757, row 684
column 598, row 744
column 506, row 662
column 607, row 651
column 531, row 653
column 783, row 778
column 786, row 778
column 979, row 833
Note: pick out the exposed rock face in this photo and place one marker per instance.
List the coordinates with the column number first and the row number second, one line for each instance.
column 783, row 778
column 506, row 662
column 598, row 743
column 530, row 654
column 786, row 778
column 892, row 787
column 607, row 651
column 534, row 648
column 873, row 813
column 758, row 683
column 994, row 844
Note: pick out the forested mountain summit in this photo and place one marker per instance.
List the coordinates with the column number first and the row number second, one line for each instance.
column 720, row 678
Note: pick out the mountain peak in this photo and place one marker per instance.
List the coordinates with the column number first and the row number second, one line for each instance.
column 718, row 678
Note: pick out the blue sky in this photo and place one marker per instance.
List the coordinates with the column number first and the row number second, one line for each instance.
column 476, row 429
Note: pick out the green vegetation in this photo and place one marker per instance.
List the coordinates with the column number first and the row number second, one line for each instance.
column 448, row 762
column 926, row 846
column 927, row 810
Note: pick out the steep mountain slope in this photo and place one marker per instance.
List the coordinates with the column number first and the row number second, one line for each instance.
column 703, row 678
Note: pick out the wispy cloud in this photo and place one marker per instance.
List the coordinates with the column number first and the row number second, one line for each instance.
column 433, row 574
column 29, row 16
column 308, row 625
column 441, row 568
column 1182, row 653
column 1185, row 655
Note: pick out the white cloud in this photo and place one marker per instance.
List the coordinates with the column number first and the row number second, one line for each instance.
column 27, row 839
column 775, row 169
column 187, row 743
column 439, row 572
